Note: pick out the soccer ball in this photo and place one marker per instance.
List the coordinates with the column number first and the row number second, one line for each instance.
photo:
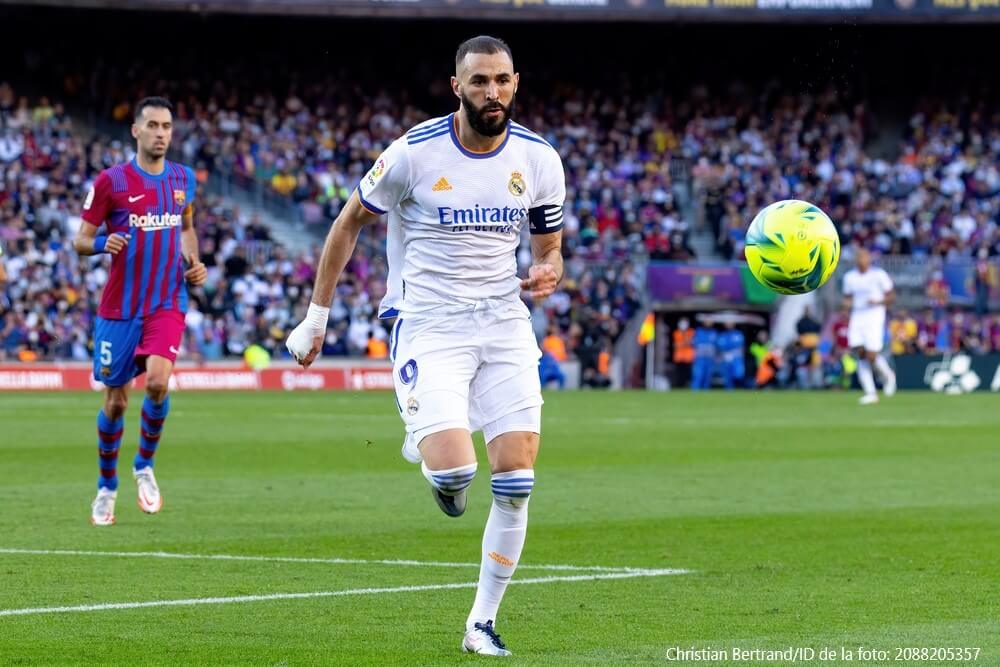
column 792, row 247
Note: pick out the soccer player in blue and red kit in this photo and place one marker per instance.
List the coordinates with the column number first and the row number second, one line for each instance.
column 146, row 207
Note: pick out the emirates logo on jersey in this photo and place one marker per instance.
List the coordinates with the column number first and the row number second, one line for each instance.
column 149, row 223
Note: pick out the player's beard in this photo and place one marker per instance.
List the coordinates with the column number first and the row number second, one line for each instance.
column 480, row 123
column 154, row 153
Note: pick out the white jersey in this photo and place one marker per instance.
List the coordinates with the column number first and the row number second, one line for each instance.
column 455, row 216
column 863, row 288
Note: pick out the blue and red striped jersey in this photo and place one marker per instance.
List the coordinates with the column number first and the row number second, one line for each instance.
column 149, row 276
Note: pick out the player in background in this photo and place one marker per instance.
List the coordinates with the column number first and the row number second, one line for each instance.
column 459, row 190
column 147, row 210
column 705, row 348
column 731, row 345
column 868, row 291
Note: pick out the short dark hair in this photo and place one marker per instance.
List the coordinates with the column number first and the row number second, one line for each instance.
column 481, row 44
column 158, row 102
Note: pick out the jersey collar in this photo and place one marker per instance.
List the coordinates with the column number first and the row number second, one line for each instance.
column 155, row 177
column 475, row 154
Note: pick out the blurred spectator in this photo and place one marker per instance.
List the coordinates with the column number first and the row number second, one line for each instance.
column 554, row 345
column 731, row 355
column 808, row 328
column 938, row 292
column 682, row 352
column 984, row 280
column 549, row 371
column 903, row 333
column 705, row 349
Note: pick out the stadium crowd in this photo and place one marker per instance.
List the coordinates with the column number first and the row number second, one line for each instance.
column 255, row 291
column 940, row 196
column 311, row 143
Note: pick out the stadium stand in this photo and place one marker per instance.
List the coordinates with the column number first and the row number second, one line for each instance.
column 305, row 137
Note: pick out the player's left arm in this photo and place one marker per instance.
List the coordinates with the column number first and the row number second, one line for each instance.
column 196, row 273
column 547, row 270
column 888, row 292
column 545, row 220
column 887, row 299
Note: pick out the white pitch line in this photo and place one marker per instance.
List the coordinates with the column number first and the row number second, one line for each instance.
column 290, row 559
column 324, row 594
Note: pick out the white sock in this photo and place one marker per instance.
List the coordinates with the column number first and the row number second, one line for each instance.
column 882, row 366
column 865, row 377
column 503, row 540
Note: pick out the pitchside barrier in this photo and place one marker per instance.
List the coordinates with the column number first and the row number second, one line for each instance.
column 220, row 376
column 951, row 373
column 326, row 375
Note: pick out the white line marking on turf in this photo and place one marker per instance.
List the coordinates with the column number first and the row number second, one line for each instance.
column 325, row 594
column 327, row 561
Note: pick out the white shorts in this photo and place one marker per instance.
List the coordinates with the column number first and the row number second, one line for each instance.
column 867, row 330
column 466, row 370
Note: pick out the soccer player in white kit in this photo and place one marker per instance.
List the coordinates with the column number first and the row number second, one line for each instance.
column 458, row 191
column 868, row 291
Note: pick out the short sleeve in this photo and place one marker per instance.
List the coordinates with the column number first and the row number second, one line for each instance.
column 192, row 186
column 97, row 205
column 847, row 285
column 388, row 181
column 886, row 281
column 546, row 213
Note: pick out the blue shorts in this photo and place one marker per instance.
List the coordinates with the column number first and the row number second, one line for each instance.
column 122, row 346
column 115, row 343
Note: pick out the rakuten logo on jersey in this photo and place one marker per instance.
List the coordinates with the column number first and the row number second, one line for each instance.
column 149, row 223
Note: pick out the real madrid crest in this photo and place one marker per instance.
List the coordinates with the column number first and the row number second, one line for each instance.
column 179, row 197
column 516, row 185
column 412, row 405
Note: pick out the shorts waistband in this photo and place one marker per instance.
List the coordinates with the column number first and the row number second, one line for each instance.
column 497, row 305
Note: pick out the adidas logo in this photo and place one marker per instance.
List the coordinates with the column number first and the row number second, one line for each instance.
column 442, row 185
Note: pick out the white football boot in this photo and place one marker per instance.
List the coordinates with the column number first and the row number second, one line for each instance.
column 102, row 510
column 484, row 640
column 868, row 399
column 150, row 500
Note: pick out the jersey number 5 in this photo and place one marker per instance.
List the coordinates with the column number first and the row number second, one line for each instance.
column 105, row 352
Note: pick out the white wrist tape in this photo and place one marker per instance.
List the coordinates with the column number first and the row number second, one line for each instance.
column 317, row 318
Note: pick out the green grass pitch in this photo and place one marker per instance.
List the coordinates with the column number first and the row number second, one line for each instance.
column 805, row 520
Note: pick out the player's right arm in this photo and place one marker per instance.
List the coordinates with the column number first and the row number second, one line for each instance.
column 95, row 210
column 306, row 340
column 382, row 188
column 339, row 246
column 848, row 296
column 87, row 241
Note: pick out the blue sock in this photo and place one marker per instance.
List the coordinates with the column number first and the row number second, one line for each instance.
column 151, row 426
column 109, row 439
